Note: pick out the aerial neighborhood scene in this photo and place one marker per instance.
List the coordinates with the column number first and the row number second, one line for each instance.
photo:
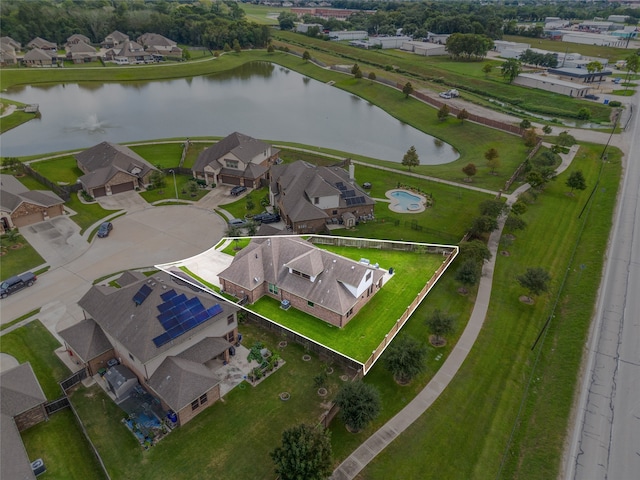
column 319, row 240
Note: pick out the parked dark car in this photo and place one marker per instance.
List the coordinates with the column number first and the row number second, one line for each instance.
column 267, row 217
column 16, row 283
column 238, row 190
column 592, row 97
column 104, row 229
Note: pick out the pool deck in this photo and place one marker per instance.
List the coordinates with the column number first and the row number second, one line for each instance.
column 395, row 205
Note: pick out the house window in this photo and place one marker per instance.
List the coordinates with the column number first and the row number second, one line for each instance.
column 350, row 312
column 334, row 212
column 194, row 405
column 203, row 399
column 231, row 337
column 273, row 289
column 231, row 164
column 316, row 200
column 229, row 319
column 310, row 303
column 368, row 277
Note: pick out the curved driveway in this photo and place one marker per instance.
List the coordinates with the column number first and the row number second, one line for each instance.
column 143, row 238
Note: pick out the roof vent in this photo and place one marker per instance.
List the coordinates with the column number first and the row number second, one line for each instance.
column 353, row 267
column 256, row 279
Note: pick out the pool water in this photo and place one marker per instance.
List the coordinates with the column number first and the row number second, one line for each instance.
column 406, row 201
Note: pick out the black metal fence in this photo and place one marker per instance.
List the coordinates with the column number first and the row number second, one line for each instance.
column 74, row 379
column 63, row 191
column 56, row 405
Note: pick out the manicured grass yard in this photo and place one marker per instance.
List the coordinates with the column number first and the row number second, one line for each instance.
column 61, row 170
column 367, row 329
column 465, row 433
column 60, row 443
column 160, row 155
column 33, row 343
column 18, row 257
column 230, row 440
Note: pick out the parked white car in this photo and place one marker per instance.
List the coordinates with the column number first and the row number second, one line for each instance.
column 446, row 95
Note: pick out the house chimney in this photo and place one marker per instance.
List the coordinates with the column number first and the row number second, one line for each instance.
column 352, row 173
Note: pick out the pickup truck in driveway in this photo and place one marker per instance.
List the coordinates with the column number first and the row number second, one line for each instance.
column 13, row 284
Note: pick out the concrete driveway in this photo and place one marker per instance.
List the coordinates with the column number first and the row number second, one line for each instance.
column 57, row 240
column 143, row 238
column 128, row 201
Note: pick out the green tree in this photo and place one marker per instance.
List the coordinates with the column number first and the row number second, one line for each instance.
column 359, row 404
column 481, row 225
column 226, row 48
column 305, row 453
column 519, row 207
column 440, row 324
column 535, row 179
column 511, row 69
column 486, row 69
column 270, row 49
column 462, row 115
column 492, row 157
column 565, row 139
column 524, row 124
column 584, row 113
column 411, row 158
column 530, row 138
column 492, row 208
column 468, row 273
column 355, row 70
column 306, row 56
column 514, row 223
column 469, row 170
column 632, row 65
column 405, row 358
column 443, row 113
column 372, row 75
column 594, row 66
column 576, row 181
column 535, row 280
column 468, row 46
column 475, row 250
column 407, row 89
column 547, row 130
column 236, row 46
column 158, row 179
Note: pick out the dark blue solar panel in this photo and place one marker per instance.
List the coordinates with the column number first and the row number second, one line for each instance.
column 176, row 331
column 179, row 299
column 189, row 324
column 161, row 339
column 142, row 294
column 197, row 309
column 193, row 302
column 168, row 294
column 169, row 323
column 164, row 307
column 164, row 316
column 203, row 316
column 215, row 310
column 185, row 315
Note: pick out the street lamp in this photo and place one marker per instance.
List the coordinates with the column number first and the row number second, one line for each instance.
column 175, row 185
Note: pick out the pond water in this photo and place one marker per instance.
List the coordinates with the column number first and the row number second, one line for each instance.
column 259, row 99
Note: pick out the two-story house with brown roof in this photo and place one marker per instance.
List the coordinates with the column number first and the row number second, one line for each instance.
column 323, row 284
column 173, row 338
column 309, row 197
column 236, row 160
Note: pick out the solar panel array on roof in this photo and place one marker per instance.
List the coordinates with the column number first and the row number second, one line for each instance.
column 142, row 294
column 355, row 201
column 348, row 193
column 178, row 315
column 341, row 186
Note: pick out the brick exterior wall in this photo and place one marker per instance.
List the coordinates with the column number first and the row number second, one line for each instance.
column 319, row 225
column 100, row 361
column 31, row 417
column 28, row 213
column 187, row 413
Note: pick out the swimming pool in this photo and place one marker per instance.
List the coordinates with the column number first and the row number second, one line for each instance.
column 403, row 201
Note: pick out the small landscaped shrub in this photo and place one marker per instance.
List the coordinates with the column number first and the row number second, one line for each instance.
column 584, row 113
column 254, row 353
column 615, row 103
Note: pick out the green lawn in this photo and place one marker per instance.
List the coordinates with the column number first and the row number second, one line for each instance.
column 18, row 117
column 33, row 343
column 367, row 329
column 232, row 438
column 161, row 155
column 168, row 192
column 60, row 443
column 465, row 433
column 61, row 170
column 261, row 13
column 17, row 257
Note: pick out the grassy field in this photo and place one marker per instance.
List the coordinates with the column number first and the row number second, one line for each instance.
column 232, row 438
column 59, row 442
column 367, row 329
column 16, row 118
column 33, row 343
column 160, row 155
column 465, row 433
column 265, row 15
column 17, row 257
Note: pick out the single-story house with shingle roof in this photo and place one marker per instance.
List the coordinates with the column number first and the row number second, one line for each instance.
column 77, row 38
column 323, row 284
column 81, row 52
column 158, row 45
column 9, row 49
column 171, row 337
column 110, row 168
column 21, row 406
column 43, row 44
column 236, row 160
column 309, row 197
column 20, row 206
column 37, row 57
column 129, row 53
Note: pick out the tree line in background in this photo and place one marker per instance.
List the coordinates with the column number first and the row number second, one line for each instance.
column 493, row 20
column 212, row 25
